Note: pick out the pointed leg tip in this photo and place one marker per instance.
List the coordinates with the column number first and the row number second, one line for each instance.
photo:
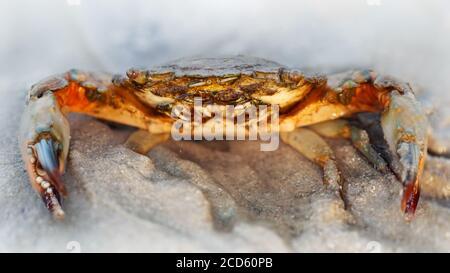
column 58, row 214
column 409, row 216
column 53, row 202
column 409, row 211
column 411, row 193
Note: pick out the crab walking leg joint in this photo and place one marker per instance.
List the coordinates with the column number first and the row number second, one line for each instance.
column 342, row 129
column 313, row 147
column 229, row 122
column 240, row 96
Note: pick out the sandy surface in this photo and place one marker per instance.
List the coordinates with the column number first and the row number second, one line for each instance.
column 220, row 196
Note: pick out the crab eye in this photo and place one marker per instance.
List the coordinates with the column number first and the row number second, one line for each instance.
column 138, row 76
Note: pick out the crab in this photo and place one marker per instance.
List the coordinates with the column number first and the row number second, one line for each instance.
column 378, row 114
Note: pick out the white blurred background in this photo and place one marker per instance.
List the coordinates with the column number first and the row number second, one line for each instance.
column 402, row 37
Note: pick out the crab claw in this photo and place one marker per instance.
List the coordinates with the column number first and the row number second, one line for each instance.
column 405, row 126
column 46, row 150
column 44, row 140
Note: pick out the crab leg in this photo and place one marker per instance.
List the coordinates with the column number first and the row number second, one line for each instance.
column 405, row 130
column 397, row 131
column 313, row 147
column 143, row 141
column 358, row 136
column 45, row 133
column 44, row 141
column 398, row 134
